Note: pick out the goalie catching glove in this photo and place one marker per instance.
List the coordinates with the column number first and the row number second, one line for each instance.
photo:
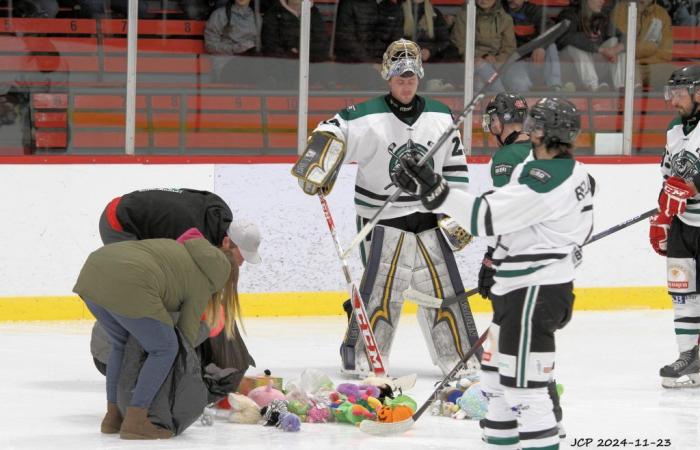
column 456, row 236
column 317, row 168
column 421, row 181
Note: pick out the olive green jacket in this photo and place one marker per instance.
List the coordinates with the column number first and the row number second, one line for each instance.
column 153, row 277
column 495, row 34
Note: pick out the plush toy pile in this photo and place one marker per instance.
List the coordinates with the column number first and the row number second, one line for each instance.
column 312, row 398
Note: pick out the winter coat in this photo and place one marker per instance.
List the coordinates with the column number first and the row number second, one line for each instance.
column 528, row 22
column 441, row 31
column 599, row 30
column 152, row 278
column 236, row 37
column 280, row 33
column 494, row 33
column 357, row 35
column 648, row 51
column 182, row 396
column 167, row 213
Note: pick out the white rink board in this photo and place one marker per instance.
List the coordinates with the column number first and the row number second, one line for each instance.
column 50, row 215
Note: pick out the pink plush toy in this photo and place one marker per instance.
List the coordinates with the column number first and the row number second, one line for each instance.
column 263, row 395
column 318, row 414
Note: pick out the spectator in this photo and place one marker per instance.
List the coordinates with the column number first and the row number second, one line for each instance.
column 357, row 32
column 653, row 35
column 682, row 12
column 494, row 40
column 529, row 21
column 281, row 27
column 593, row 45
column 424, row 24
column 232, row 31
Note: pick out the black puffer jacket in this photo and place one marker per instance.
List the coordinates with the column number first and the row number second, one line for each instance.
column 390, row 27
column 280, row 33
column 357, row 33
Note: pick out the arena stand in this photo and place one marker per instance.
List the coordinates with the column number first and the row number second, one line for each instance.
column 73, row 70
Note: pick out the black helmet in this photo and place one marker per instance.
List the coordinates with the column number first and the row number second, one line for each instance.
column 558, row 118
column 510, row 108
column 686, row 77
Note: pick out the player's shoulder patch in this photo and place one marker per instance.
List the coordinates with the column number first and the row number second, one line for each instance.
column 432, row 105
column 504, row 161
column 375, row 105
column 545, row 175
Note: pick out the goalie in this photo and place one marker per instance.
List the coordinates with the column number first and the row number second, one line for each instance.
column 407, row 248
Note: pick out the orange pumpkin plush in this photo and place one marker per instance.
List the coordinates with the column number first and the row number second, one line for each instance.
column 394, row 413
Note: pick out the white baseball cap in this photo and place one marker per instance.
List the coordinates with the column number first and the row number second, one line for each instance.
column 247, row 237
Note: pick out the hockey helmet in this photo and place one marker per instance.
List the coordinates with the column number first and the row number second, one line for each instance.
column 557, row 118
column 509, row 108
column 401, row 57
column 687, row 78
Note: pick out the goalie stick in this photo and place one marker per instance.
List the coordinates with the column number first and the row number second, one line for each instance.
column 434, row 302
column 371, row 348
column 541, row 41
column 383, row 429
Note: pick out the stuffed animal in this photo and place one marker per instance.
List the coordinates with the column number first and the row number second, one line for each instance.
column 243, row 409
column 349, row 413
column 394, row 413
column 473, row 403
column 276, row 414
column 299, row 408
column 402, row 400
column 357, row 394
column 318, row 414
column 263, row 395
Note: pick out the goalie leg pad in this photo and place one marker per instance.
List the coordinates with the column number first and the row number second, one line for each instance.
column 386, row 276
column 449, row 331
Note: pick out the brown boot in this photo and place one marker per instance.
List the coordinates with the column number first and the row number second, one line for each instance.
column 137, row 426
column 112, row 421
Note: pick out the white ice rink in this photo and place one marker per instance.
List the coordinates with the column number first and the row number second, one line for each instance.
column 51, row 396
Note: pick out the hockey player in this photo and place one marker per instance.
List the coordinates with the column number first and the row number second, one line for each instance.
column 675, row 231
column 406, row 249
column 541, row 218
column 503, row 118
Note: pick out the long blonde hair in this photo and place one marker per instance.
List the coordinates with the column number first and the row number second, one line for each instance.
column 426, row 22
column 226, row 299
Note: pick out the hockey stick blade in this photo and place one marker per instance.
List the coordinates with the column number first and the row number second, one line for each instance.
column 541, row 41
column 388, row 428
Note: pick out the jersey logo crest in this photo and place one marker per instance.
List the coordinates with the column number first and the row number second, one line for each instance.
column 409, row 146
column 685, row 164
column 539, row 175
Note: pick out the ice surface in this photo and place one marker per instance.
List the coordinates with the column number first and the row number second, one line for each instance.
column 51, row 396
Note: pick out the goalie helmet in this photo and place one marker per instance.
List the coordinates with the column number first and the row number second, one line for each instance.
column 557, row 118
column 401, row 57
column 685, row 78
column 509, row 108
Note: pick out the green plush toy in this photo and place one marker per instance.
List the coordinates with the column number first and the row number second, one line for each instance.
column 299, row 408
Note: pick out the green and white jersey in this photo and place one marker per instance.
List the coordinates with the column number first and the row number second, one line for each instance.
column 375, row 137
column 504, row 161
column 682, row 159
column 541, row 218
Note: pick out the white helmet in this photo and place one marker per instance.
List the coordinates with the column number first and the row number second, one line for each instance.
column 400, row 57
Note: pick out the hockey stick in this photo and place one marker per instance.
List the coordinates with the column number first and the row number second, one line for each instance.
column 541, row 41
column 358, row 307
column 434, row 302
column 385, row 428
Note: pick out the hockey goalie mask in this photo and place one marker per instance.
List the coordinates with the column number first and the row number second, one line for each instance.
column 317, row 168
column 401, row 57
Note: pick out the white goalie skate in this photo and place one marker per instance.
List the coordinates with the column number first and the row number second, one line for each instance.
column 682, row 373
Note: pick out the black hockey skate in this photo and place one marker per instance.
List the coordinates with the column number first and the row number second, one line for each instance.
column 684, row 372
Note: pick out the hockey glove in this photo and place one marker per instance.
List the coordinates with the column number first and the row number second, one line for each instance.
column 486, row 274
column 659, row 226
column 674, row 196
column 421, row 181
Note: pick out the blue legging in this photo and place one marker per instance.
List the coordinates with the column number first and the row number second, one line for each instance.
column 157, row 339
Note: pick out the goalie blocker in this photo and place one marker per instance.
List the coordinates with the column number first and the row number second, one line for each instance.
column 317, row 168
